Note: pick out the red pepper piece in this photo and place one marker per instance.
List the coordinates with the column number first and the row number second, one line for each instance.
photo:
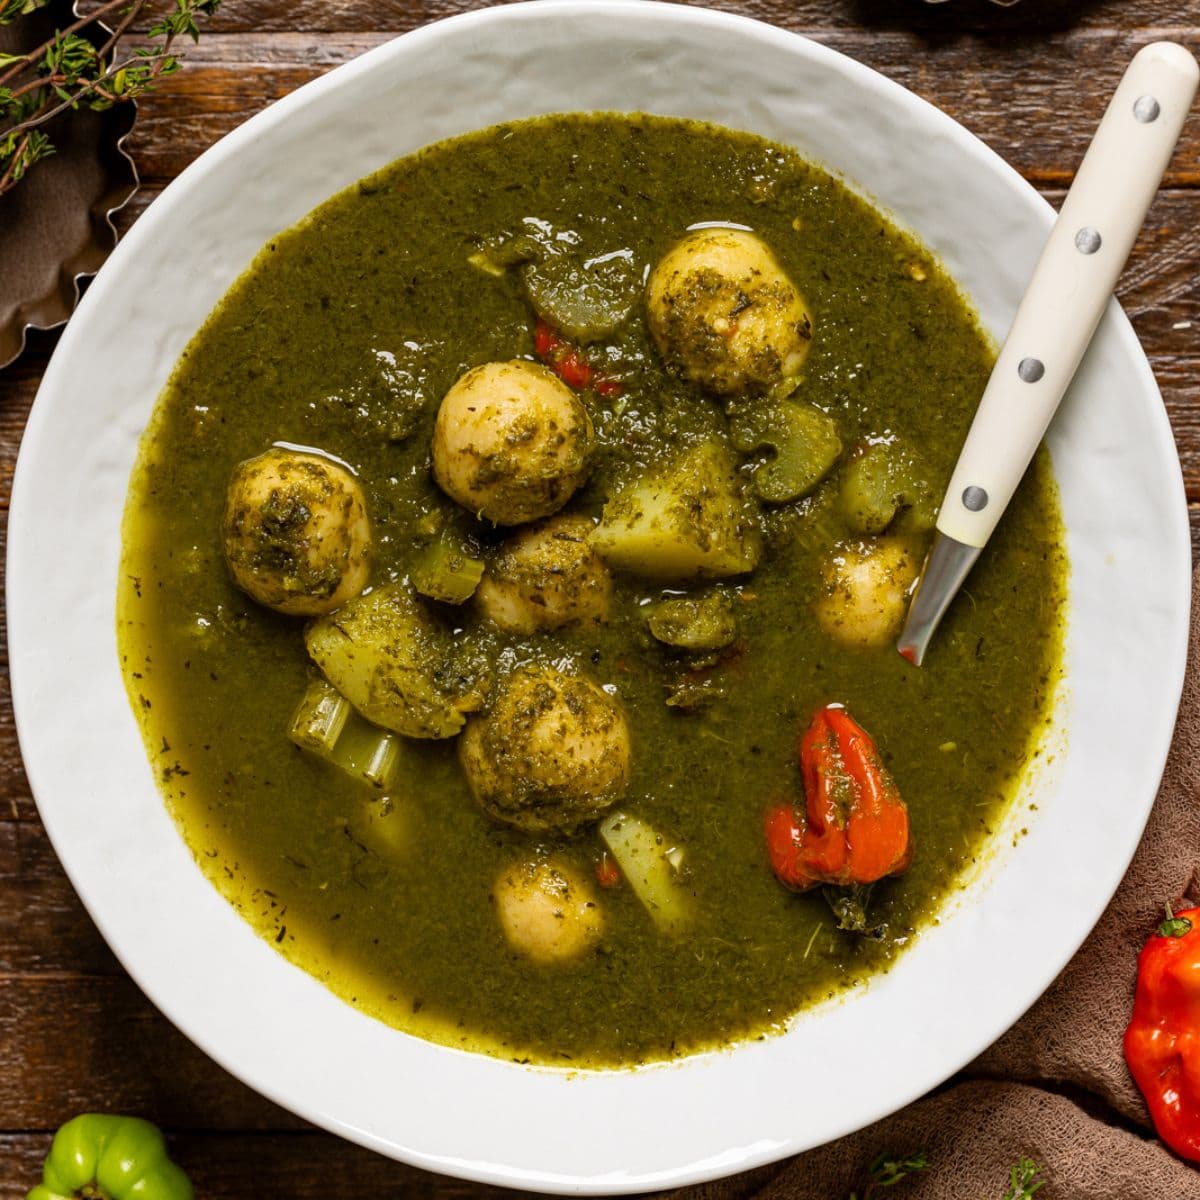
column 573, row 370
column 1162, row 1043
column 854, row 829
column 545, row 340
column 566, row 360
column 607, row 873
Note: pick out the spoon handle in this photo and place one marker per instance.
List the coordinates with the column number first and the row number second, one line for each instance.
column 1071, row 286
column 1057, row 317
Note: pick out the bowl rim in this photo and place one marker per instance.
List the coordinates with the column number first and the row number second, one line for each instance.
column 29, row 709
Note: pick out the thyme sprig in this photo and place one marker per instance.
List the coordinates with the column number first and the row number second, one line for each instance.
column 1024, row 1180
column 887, row 1171
column 84, row 65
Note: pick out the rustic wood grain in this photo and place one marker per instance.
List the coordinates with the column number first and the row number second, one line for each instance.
column 75, row 1032
column 72, row 1043
column 43, row 926
column 966, row 18
column 1038, row 119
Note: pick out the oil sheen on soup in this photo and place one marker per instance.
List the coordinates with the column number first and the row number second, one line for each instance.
column 511, row 577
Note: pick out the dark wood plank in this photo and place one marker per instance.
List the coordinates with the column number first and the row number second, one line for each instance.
column 43, row 925
column 964, row 17
column 71, row 1043
column 1038, row 118
column 1160, row 288
column 16, row 800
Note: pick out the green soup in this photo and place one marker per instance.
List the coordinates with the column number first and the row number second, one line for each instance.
column 344, row 335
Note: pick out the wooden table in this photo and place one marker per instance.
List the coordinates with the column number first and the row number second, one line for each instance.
column 75, row 1033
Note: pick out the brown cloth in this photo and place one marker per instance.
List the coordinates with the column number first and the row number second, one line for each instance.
column 1055, row 1087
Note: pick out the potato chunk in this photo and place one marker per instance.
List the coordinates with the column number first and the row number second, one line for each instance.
column 393, row 662
column 866, row 589
column 685, row 521
column 547, row 911
column 551, row 754
column 545, row 578
column 722, row 311
column 295, row 532
column 511, row 442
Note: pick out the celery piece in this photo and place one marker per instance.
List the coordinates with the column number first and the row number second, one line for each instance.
column 319, row 718
column 695, row 623
column 804, row 440
column 385, row 824
column 884, row 487
column 325, row 725
column 367, row 753
column 482, row 261
column 645, row 858
column 585, row 300
column 446, row 573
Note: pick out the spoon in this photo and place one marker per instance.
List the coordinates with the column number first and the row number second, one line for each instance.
column 1056, row 320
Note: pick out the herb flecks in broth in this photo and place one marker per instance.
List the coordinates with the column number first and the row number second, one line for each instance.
column 819, row 453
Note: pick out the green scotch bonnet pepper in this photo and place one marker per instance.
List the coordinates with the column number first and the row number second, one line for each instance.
column 101, row 1157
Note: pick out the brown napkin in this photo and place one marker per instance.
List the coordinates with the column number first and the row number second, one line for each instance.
column 1055, row 1087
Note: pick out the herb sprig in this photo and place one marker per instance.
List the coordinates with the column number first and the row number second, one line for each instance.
column 1025, row 1177
column 887, row 1171
column 84, row 65
column 1024, row 1180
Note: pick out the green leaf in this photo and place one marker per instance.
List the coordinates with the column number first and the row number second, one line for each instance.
column 18, row 154
column 10, row 10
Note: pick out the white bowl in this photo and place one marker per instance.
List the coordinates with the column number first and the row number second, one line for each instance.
column 275, row 1027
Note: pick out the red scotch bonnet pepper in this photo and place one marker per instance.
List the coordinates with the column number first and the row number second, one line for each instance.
column 854, row 828
column 1162, row 1043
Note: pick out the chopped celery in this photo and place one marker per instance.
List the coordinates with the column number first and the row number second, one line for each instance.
column 446, row 573
column 482, row 261
column 319, row 718
column 884, row 487
column 585, row 300
column 648, row 861
column 385, row 824
column 804, row 440
column 325, row 724
column 367, row 753
column 695, row 623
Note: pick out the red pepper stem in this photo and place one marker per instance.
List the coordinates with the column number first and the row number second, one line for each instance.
column 1174, row 926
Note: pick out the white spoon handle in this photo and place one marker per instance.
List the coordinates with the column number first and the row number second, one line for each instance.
column 1071, row 286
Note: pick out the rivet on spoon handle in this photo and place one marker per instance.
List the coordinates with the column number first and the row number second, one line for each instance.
column 1057, row 317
